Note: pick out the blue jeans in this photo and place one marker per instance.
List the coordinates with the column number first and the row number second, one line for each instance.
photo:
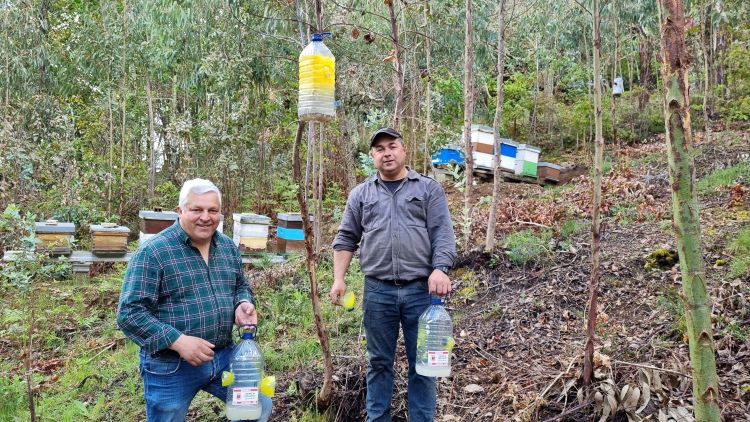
column 170, row 383
column 385, row 307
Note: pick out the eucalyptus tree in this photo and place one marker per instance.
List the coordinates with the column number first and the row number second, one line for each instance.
column 675, row 65
column 588, row 369
column 468, row 117
column 489, row 242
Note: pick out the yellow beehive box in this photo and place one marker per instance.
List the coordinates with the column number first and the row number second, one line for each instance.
column 109, row 239
column 55, row 237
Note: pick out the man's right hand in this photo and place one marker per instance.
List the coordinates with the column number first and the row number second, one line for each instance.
column 337, row 291
column 194, row 350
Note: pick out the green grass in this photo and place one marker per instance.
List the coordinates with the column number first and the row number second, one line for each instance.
column 97, row 375
column 725, row 176
column 740, row 249
column 671, row 302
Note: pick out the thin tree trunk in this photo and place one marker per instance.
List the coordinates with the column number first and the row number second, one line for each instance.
column 588, row 370
column 468, row 114
column 615, row 59
column 398, row 76
column 646, row 77
column 151, row 141
column 27, row 360
column 675, row 65
column 346, row 149
column 123, row 96
column 110, row 151
column 324, row 396
column 428, row 89
column 535, row 97
column 705, row 41
column 7, row 81
column 489, row 242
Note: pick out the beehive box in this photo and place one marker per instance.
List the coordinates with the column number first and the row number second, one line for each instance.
column 482, row 144
column 55, row 237
column 153, row 222
column 109, row 240
column 548, row 172
column 289, row 232
column 527, row 158
column 508, row 152
column 250, row 231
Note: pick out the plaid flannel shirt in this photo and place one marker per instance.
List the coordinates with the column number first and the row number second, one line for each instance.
column 169, row 290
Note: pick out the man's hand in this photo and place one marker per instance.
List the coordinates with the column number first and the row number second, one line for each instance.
column 439, row 283
column 194, row 350
column 337, row 291
column 245, row 314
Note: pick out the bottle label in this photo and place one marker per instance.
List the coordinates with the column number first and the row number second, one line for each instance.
column 438, row 358
column 244, row 396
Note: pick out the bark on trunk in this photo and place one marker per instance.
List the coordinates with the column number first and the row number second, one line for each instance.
column 588, row 369
column 489, row 241
column 398, row 75
column 151, row 141
column 675, row 64
column 468, row 113
column 647, row 80
column 428, row 89
column 706, row 50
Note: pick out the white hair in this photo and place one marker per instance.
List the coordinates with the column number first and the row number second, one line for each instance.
column 199, row 187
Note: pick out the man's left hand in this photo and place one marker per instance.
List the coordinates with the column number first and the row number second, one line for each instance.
column 439, row 283
column 245, row 314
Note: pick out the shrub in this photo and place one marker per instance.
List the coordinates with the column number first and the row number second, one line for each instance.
column 528, row 246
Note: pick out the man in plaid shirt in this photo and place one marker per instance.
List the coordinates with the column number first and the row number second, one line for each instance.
column 182, row 291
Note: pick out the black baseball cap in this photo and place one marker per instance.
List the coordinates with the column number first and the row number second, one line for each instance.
column 393, row 133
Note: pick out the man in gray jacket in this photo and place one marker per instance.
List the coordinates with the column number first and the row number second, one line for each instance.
column 400, row 221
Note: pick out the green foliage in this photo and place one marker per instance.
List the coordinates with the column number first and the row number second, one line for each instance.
column 739, row 247
column 572, row 227
column 724, row 177
column 671, row 302
column 528, row 246
column 366, row 165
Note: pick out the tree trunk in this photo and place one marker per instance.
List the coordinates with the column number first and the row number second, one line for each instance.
column 110, row 151
column 675, row 65
column 123, row 97
column 468, row 113
column 151, row 141
column 647, row 81
column 428, row 89
column 324, row 396
column 398, row 76
column 615, row 59
column 588, row 369
column 346, row 150
column 489, row 242
column 705, row 49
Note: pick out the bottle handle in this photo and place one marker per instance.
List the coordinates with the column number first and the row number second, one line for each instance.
column 248, row 328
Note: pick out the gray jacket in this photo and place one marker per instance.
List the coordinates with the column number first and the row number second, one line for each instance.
column 403, row 235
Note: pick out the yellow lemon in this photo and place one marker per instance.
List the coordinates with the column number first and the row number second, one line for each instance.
column 449, row 343
column 227, row 378
column 348, row 301
column 268, row 386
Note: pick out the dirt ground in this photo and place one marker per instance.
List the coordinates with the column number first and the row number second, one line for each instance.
column 520, row 329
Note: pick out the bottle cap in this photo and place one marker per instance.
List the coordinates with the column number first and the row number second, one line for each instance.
column 436, row 300
column 248, row 331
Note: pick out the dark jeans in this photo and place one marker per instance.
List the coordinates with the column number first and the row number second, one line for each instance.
column 170, row 383
column 386, row 306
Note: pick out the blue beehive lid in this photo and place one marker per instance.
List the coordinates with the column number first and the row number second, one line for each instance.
column 448, row 155
column 508, row 148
